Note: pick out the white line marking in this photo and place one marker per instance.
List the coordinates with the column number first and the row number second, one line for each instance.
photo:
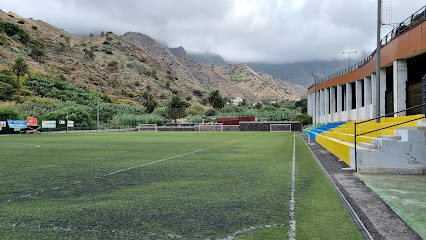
column 244, row 230
column 103, row 175
column 149, row 234
column 118, row 171
column 292, row 221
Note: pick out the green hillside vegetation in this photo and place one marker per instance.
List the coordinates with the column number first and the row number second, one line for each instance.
column 49, row 74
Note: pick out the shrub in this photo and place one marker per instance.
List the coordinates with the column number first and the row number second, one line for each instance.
column 21, row 22
column 210, row 112
column 76, row 114
column 34, row 27
column 113, row 65
column 106, row 43
column 14, row 30
column 9, row 113
column 195, row 110
column 6, row 91
column 4, row 41
column 109, row 38
column 109, row 52
column 160, row 112
column 198, row 93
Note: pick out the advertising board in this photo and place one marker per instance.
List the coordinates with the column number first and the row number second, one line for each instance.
column 31, row 121
column 17, row 123
column 48, row 124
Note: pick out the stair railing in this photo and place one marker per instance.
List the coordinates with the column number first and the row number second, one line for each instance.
column 376, row 130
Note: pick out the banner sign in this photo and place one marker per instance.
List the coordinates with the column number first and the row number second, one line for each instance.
column 70, row 124
column 31, row 121
column 48, row 124
column 17, row 123
column 3, row 123
column 61, row 121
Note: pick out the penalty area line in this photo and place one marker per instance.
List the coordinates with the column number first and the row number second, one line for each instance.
column 119, row 171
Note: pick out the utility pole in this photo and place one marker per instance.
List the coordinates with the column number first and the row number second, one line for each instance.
column 97, row 103
column 67, row 123
column 349, row 53
column 379, row 45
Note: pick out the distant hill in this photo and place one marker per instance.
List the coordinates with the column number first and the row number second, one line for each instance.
column 208, row 58
column 126, row 67
column 233, row 80
column 300, row 73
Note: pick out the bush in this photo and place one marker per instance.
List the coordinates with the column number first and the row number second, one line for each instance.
column 34, row 27
column 197, row 93
column 4, row 41
column 21, row 22
column 14, row 30
column 130, row 120
column 6, row 91
column 9, row 113
column 76, row 114
column 195, row 110
column 210, row 112
column 160, row 112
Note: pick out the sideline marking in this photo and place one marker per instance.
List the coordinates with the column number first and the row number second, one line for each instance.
column 244, row 230
column 119, row 171
column 292, row 221
column 351, row 211
column 149, row 234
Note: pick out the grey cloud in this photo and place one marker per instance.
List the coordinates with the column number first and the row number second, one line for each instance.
column 238, row 30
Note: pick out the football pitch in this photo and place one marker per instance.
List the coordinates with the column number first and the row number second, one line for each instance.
column 166, row 185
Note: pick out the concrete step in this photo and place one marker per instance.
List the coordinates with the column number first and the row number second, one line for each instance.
column 395, row 137
column 367, row 145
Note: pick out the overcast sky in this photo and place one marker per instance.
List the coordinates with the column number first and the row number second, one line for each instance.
column 274, row 31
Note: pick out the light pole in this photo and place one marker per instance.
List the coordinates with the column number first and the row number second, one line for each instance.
column 349, row 53
column 97, row 103
column 334, row 68
column 379, row 45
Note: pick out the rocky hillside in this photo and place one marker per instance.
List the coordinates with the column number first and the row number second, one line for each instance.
column 127, row 67
column 236, row 80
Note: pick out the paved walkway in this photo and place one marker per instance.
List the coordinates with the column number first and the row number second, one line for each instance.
column 405, row 194
column 379, row 219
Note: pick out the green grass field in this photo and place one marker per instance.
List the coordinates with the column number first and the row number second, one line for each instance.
column 164, row 185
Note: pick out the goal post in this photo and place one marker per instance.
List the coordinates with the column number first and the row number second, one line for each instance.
column 210, row 127
column 147, row 127
column 280, row 127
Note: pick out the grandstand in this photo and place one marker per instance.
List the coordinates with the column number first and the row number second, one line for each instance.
column 343, row 105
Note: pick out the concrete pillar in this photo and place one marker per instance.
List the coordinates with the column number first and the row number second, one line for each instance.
column 322, row 105
column 367, row 97
column 400, row 76
column 327, row 104
column 358, row 92
column 309, row 105
column 382, row 91
column 332, row 103
column 339, row 101
column 317, row 108
column 373, row 93
column 349, row 100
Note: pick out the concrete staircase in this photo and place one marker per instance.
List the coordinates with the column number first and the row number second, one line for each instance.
column 340, row 141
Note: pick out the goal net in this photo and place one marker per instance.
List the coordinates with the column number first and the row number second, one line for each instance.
column 280, row 127
column 147, row 127
column 210, row 127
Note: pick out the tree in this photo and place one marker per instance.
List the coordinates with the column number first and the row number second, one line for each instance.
column 176, row 107
column 19, row 68
column 150, row 104
column 216, row 99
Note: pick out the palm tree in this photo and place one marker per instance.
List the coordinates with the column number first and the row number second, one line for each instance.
column 150, row 104
column 216, row 99
column 176, row 107
column 19, row 68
